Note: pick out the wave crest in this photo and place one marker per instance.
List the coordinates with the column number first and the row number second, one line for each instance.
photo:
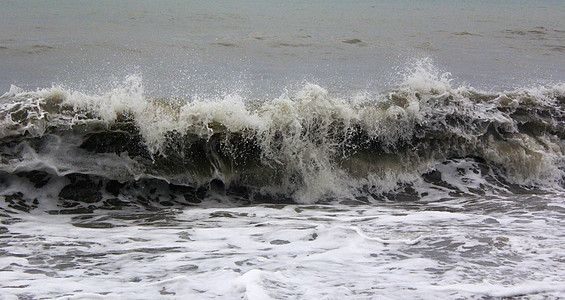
column 307, row 145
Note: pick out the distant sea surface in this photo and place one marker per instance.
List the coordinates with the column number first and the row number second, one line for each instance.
column 182, row 47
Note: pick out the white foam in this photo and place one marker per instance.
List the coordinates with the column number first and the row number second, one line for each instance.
column 249, row 284
column 526, row 289
column 313, row 252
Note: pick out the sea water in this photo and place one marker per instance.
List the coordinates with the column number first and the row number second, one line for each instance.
column 285, row 150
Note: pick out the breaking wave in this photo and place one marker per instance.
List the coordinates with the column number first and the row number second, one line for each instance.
column 307, row 146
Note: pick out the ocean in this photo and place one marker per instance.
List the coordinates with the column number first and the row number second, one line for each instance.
column 270, row 149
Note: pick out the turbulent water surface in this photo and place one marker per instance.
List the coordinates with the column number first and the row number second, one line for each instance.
column 282, row 150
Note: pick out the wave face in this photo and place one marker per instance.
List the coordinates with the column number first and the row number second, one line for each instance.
column 307, row 146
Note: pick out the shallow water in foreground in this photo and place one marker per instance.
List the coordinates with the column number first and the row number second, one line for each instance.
column 471, row 247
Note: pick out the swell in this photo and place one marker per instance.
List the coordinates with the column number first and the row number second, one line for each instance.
column 307, row 147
